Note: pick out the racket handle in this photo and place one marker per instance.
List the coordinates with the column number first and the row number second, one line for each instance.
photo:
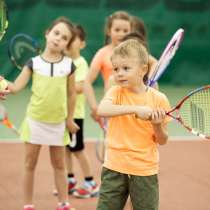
column 8, row 124
column 102, row 123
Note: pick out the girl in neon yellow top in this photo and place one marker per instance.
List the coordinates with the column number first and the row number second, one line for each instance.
column 137, row 124
column 50, row 110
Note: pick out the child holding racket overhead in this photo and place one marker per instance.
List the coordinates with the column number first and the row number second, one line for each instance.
column 48, row 114
column 137, row 124
column 89, row 187
column 117, row 26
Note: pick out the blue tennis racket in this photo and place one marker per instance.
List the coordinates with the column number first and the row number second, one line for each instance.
column 166, row 57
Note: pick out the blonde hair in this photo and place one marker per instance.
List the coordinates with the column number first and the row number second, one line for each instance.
column 132, row 48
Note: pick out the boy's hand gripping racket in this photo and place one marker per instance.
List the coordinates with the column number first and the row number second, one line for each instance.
column 166, row 57
column 193, row 112
column 22, row 47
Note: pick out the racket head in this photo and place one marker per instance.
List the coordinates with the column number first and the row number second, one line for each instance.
column 193, row 112
column 3, row 19
column 166, row 56
column 21, row 48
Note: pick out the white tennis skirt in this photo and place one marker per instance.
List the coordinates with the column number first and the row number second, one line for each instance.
column 36, row 132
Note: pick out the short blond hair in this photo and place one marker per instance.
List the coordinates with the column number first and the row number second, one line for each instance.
column 132, row 49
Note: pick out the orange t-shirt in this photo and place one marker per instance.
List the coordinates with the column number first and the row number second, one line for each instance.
column 131, row 145
column 102, row 62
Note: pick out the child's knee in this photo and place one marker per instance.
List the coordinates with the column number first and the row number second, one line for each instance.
column 30, row 164
column 58, row 164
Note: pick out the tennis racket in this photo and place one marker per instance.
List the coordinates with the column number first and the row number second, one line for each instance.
column 193, row 112
column 3, row 18
column 22, row 47
column 5, row 120
column 166, row 57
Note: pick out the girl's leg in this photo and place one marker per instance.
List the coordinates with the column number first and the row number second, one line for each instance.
column 30, row 162
column 57, row 155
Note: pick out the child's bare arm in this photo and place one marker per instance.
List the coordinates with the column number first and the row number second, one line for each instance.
column 111, row 82
column 21, row 80
column 79, row 87
column 71, row 104
column 88, row 87
column 90, row 93
column 107, row 109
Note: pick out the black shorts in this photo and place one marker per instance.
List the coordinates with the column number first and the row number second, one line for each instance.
column 78, row 145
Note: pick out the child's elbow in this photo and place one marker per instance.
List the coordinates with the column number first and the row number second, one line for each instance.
column 163, row 140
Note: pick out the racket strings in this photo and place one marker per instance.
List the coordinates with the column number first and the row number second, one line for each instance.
column 197, row 117
column 195, row 112
column 162, row 64
column 21, row 49
column 166, row 57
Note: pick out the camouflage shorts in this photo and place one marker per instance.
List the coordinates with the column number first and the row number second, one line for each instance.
column 116, row 187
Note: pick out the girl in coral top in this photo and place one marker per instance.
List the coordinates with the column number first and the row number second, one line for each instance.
column 117, row 26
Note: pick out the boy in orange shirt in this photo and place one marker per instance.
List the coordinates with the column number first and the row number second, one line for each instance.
column 136, row 125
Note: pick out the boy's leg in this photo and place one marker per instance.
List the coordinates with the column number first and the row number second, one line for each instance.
column 113, row 191
column 89, row 187
column 70, row 172
column 76, row 145
column 69, row 161
column 144, row 192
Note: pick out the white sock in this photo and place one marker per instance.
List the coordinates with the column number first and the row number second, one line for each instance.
column 65, row 203
column 71, row 179
column 28, row 206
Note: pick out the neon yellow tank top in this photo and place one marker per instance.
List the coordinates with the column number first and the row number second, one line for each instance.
column 48, row 102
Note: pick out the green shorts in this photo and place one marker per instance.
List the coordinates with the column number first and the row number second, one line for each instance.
column 115, row 188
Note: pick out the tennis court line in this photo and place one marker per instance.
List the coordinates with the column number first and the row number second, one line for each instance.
column 93, row 139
